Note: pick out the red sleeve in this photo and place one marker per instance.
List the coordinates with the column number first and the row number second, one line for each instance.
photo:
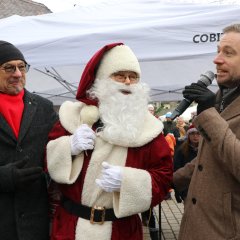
column 57, row 131
column 154, row 157
column 160, row 168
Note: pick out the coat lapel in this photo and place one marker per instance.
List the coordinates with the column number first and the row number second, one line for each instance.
column 4, row 127
column 232, row 110
column 30, row 107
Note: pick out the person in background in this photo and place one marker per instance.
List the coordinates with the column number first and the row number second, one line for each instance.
column 193, row 115
column 25, row 120
column 171, row 140
column 169, row 130
column 184, row 154
column 107, row 153
column 212, row 205
column 180, row 131
column 169, row 124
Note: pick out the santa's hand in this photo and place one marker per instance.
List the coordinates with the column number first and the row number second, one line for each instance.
column 111, row 179
column 82, row 139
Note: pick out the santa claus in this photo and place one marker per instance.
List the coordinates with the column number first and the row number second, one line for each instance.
column 107, row 152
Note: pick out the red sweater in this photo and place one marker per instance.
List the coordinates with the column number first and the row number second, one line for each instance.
column 11, row 108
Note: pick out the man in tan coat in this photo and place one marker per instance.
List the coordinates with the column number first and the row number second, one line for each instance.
column 212, row 210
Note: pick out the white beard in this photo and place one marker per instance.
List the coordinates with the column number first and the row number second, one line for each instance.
column 123, row 115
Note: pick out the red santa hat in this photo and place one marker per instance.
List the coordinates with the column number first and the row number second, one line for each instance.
column 191, row 129
column 109, row 59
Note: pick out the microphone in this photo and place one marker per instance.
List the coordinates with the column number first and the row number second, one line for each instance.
column 205, row 79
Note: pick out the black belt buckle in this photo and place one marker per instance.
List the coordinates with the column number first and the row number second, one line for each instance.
column 97, row 208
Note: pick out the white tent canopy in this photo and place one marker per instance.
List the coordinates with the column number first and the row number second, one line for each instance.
column 174, row 43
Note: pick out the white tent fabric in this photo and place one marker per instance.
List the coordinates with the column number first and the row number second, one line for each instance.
column 186, row 115
column 174, row 43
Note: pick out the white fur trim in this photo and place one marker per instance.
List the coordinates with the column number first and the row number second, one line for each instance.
column 87, row 231
column 135, row 194
column 92, row 194
column 61, row 167
column 73, row 114
column 119, row 58
column 151, row 129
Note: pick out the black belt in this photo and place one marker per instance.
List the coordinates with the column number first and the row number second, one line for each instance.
column 94, row 214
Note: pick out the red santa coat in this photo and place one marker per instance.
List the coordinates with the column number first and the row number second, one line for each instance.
column 147, row 174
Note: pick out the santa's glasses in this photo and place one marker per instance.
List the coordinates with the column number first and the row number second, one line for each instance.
column 123, row 76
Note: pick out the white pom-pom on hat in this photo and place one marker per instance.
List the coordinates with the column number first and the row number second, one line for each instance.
column 89, row 115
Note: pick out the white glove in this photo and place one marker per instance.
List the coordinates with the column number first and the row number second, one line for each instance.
column 111, row 179
column 82, row 139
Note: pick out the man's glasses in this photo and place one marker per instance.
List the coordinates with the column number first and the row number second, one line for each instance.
column 9, row 68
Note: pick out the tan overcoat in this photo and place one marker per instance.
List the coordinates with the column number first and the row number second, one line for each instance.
column 212, row 208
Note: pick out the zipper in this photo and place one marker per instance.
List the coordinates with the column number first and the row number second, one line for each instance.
column 222, row 105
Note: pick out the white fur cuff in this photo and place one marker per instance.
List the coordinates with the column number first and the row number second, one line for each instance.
column 61, row 167
column 135, row 194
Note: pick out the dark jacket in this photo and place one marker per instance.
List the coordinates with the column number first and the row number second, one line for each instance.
column 179, row 139
column 24, row 212
column 169, row 127
column 180, row 160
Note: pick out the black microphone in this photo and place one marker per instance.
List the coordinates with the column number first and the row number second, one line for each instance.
column 205, row 79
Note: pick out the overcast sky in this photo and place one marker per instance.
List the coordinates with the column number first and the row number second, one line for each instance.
column 61, row 5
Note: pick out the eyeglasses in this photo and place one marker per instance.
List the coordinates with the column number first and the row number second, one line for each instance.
column 121, row 77
column 9, row 68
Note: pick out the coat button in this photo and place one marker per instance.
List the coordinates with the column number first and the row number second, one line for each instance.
column 200, row 167
column 194, row 200
column 18, row 148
